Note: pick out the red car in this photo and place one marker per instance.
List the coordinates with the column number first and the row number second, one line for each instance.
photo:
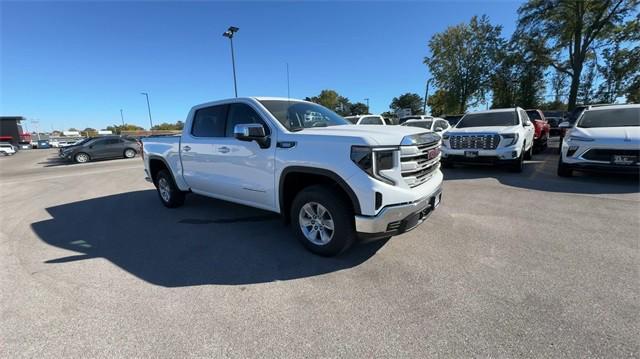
column 542, row 128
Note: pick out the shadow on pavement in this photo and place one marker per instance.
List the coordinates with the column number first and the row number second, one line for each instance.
column 540, row 174
column 204, row 242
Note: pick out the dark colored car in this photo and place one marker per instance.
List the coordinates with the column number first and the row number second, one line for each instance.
column 43, row 144
column 542, row 129
column 101, row 148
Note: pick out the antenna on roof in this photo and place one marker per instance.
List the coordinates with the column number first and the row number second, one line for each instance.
column 288, row 88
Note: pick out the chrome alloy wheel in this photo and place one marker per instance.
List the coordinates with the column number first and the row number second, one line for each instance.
column 316, row 223
column 165, row 189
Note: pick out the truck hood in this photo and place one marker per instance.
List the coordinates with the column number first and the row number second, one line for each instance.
column 374, row 134
column 629, row 134
column 484, row 129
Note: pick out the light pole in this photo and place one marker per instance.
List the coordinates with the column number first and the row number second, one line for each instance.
column 122, row 117
column 426, row 97
column 229, row 33
column 149, row 109
column 367, row 99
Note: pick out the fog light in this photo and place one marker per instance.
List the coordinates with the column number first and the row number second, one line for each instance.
column 572, row 150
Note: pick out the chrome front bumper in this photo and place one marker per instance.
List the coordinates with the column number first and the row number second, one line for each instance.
column 396, row 219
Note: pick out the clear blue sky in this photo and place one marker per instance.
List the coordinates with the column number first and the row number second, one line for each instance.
column 72, row 64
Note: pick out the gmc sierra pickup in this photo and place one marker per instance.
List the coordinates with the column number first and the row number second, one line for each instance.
column 333, row 181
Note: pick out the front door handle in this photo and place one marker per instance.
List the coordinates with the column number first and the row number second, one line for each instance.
column 186, row 148
column 223, row 149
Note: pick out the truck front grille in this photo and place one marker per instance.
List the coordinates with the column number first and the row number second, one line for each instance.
column 475, row 142
column 419, row 162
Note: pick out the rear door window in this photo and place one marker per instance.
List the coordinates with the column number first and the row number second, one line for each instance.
column 209, row 121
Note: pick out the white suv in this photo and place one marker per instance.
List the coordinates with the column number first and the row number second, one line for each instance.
column 501, row 136
column 603, row 138
column 435, row 124
column 7, row 149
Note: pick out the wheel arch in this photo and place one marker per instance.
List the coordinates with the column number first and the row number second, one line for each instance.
column 295, row 178
column 157, row 164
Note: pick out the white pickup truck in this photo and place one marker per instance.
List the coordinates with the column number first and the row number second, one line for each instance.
column 333, row 181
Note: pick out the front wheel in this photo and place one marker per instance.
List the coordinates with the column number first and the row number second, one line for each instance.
column 518, row 164
column 82, row 157
column 323, row 220
column 528, row 154
column 563, row 169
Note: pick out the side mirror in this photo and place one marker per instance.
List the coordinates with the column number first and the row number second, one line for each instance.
column 251, row 132
column 564, row 124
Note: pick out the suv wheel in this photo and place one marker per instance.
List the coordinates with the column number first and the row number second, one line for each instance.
column 529, row 154
column 81, row 157
column 563, row 169
column 129, row 153
column 322, row 220
column 518, row 164
column 170, row 195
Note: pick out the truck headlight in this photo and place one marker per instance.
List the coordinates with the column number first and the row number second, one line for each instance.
column 511, row 137
column 373, row 160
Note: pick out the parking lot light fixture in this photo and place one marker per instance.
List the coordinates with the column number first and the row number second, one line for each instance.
column 229, row 33
column 149, row 109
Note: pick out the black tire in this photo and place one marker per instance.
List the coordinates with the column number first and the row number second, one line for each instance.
column 340, row 212
column 129, row 153
column 170, row 195
column 81, row 157
column 517, row 165
column 563, row 169
column 529, row 154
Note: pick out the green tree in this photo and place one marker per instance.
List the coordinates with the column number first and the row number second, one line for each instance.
column 89, row 132
column 333, row 101
column 569, row 29
column 442, row 103
column 633, row 91
column 117, row 129
column 463, row 58
column 358, row 108
column 620, row 67
column 169, row 126
column 408, row 100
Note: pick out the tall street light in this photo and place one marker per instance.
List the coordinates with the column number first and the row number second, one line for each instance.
column 122, row 117
column 426, row 97
column 148, row 108
column 229, row 33
column 367, row 99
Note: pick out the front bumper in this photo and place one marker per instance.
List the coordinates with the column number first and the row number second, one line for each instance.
column 605, row 168
column 396, row 219
column 481, row 156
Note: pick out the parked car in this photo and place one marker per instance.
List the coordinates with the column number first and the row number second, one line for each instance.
column 367, row 120
column 43, row 144
column 602, row 139
column 435, row 124
column 500, row 136
column 554, row 122
column 414, row 117
column 541, row 129
column 332, row 180
column 7, row 149
column 453, row 119
column 101, row 148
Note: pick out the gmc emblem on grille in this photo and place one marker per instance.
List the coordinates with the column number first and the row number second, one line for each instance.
column 433, row 153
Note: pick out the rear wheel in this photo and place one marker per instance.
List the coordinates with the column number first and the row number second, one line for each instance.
column 81, row 157
column 129, row 153
column 170, row 195
column 323, row 220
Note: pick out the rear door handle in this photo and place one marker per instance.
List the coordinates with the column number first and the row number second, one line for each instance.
column 186, row 148
column 223, row 149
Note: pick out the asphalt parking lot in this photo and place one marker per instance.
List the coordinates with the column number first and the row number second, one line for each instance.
column 510, row 265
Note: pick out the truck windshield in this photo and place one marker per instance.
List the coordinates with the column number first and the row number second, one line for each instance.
column 296, row 115
column 507, row 118
column 621, row 117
